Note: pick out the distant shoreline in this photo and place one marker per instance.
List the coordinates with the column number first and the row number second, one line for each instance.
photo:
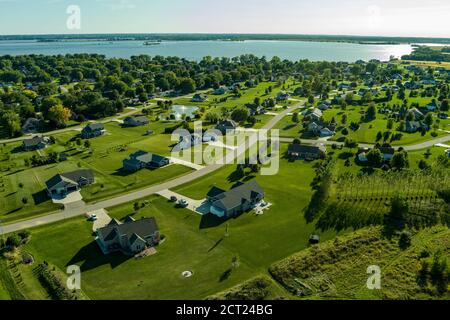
column 366, row 40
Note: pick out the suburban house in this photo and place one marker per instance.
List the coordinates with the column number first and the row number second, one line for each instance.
column 35, row 143
column 414, row 126
column 323, row 106
column 65, row 183
column 33, row 125
column 283, row 96
column 388, row 153
column 226, row 204
column 130, row 237
column 141, row 159
column 320, row 129
column 417, row 113
column 300, row 151
column 135, row 121
column 225, row 125
column 220, row 91
column 199, row 97
column 314, row 115
column 255, row 109
column 431, row 106
column 93, row 130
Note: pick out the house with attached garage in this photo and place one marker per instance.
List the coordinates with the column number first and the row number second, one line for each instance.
column 283, row 96
column 227, row 204
column 314, row 115
column 35, row 143
column 414, row 126
column 135, row 121
column 199, row 97
column 130, row 237
column 141, row 160
column 305, row 152
column 33, row 125
column 65, row 183
column 226, row 125
column 93, row 130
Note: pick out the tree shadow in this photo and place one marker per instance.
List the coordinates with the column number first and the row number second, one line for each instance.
column 91, row 257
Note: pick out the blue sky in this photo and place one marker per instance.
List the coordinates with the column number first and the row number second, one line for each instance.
column 428, row 18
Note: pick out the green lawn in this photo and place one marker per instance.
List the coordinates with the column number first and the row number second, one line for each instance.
column 193, row 243
column 104, row 157
column 368, row 131
column 155, row 277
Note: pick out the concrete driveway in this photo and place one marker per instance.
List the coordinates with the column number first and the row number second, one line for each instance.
column 199, row 206
column 70, row 198
column 102, row 219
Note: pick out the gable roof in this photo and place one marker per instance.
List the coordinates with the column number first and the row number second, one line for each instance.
column 146, row 157
column 302, row 149
column 33, row 141
column 142, row 229
column 94, row 126
column 238, row 195
column 70, row 178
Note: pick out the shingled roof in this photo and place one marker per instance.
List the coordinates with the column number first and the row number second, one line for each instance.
column 142, row 228
column 70, row 178
column 238, row 195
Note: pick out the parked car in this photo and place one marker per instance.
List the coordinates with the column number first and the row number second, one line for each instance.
column 183, row 203
column 93, row 217
column 173, row 199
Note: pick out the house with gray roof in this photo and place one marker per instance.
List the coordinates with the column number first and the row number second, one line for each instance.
column 135, row 121
column 33, row 125
column 226, row 125
column 93, row 130
column 130, row 237
column 306, row 152
column 35, row 143
column 314, row 115
column 65, row 183
column 227, row 204
column 141, row 160
column 199, row 97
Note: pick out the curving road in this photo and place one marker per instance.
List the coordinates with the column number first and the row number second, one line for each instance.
column 81, row 208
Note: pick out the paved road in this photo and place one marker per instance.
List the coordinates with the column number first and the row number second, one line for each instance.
column 74, row 128
column 71, row 212
column 419, row 146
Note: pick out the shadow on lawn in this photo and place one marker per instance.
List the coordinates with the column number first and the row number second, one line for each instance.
column 40, row 197
column 91, row 257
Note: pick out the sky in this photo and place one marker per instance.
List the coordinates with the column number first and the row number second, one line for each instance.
column 420, row 18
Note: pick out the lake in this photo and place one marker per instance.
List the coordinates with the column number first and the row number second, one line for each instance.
column 178, row 111
column 196, row 50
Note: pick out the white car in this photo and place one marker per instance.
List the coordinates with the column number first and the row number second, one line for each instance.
column 94, row 217
column 183, row 203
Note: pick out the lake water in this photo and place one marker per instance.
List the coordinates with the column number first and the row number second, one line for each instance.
column 178, row 111
column 196, row 50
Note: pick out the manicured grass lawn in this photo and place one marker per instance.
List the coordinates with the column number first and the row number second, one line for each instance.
column 289, row 129
column 281, row 229
column 193, row 242
column 368, row 131
column 155, row 277
column 105, row 156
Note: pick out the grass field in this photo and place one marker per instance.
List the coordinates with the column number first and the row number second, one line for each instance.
column 368, row 131
column 104, row 157
column 193, row 243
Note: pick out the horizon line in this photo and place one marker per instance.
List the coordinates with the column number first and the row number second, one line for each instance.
column 225, row 33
